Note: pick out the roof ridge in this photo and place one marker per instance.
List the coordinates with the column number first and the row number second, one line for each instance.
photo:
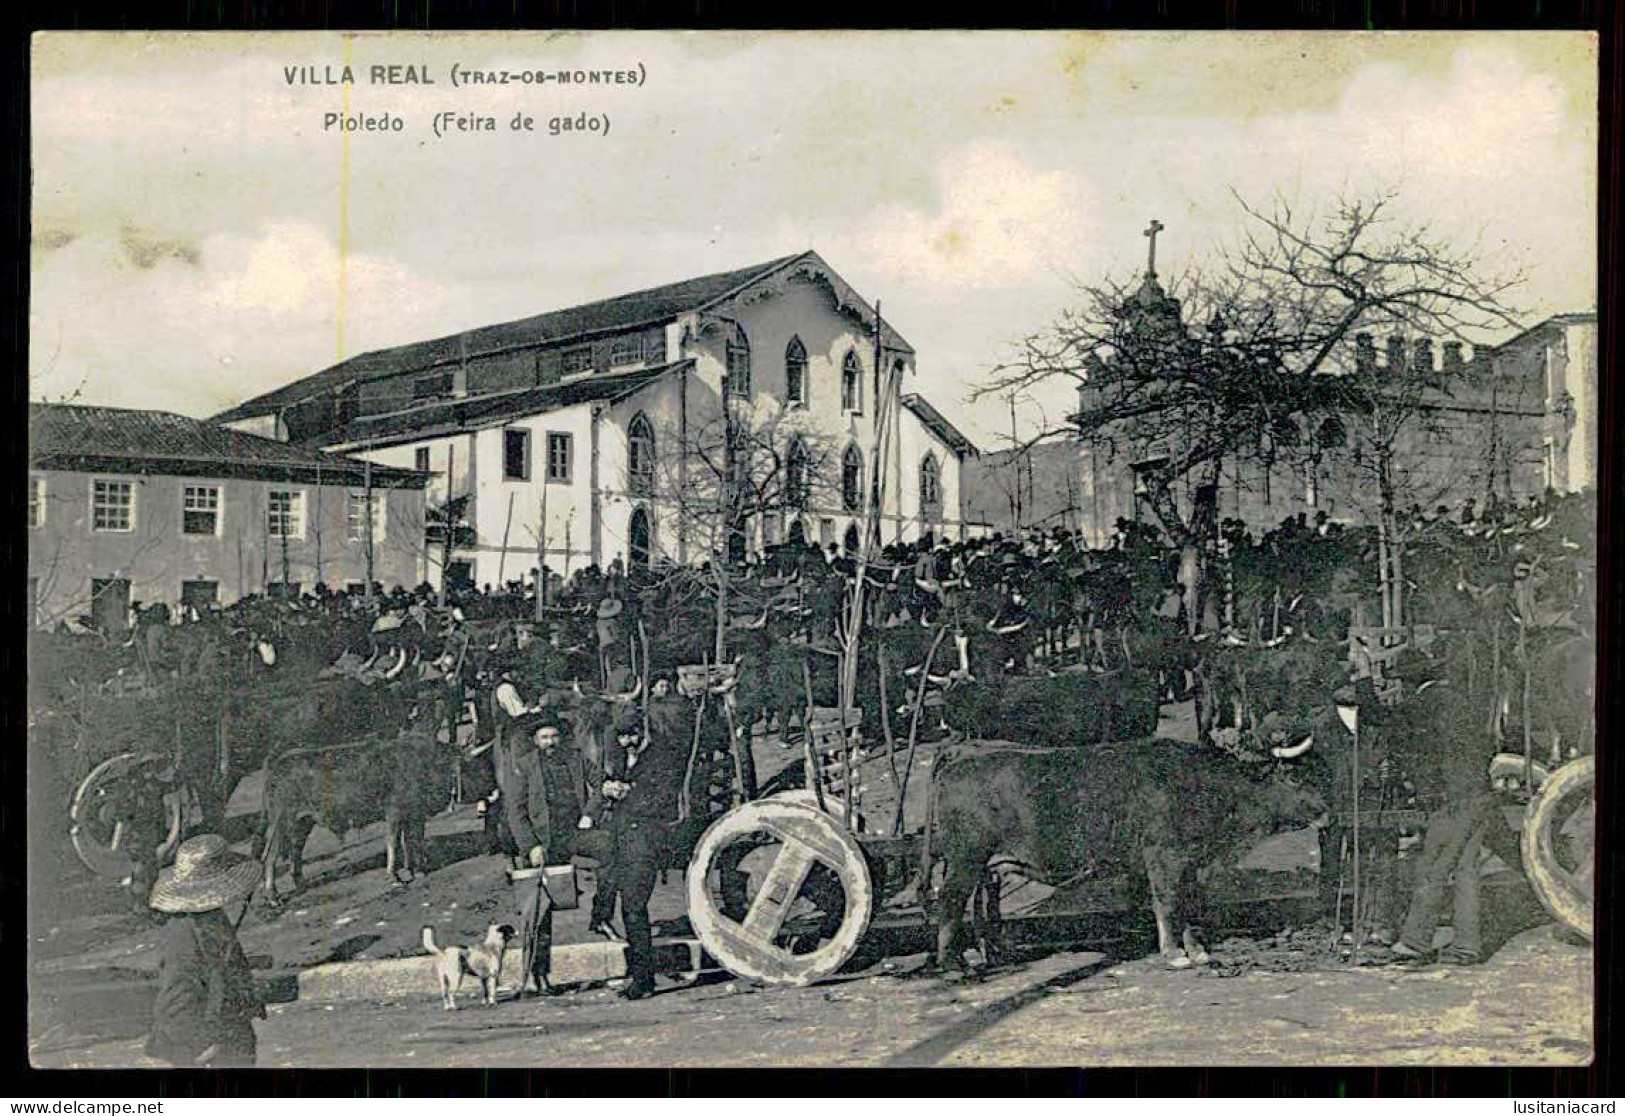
column 566, row 320
column 758, row 271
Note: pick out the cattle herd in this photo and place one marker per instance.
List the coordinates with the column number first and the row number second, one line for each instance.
column 1035, row 666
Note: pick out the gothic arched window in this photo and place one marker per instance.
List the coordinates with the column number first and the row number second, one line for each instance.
column 640, row 455
column 738, row 363
column 930, row 487
column 851, row 383
column 795, row 371
column 795, row 475
column 852, row 479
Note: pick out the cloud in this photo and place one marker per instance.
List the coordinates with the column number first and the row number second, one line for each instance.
column 963, row 178
column 169, row 316
column 999, row 222
column 145, row 251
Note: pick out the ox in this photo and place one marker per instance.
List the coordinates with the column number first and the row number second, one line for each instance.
column 396, row 776
column 1159, row 807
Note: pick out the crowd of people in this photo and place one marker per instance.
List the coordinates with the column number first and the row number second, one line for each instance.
column 577, row 735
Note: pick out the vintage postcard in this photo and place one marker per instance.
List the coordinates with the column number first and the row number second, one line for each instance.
column 812, row 549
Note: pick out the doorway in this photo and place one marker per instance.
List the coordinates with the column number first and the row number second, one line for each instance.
column 110, row 605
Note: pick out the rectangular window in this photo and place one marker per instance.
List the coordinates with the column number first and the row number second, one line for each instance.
column 516, row 455
column 112, row 505
column 36, row 501
column 654, row 348
column 200, row 509
column 558, row 457
column 284, row 590
column 285, row 513
column 576, row 360
column 432, row 387
column 626, row 350
column 356, row 517
column 199, row 594
column 420, row 459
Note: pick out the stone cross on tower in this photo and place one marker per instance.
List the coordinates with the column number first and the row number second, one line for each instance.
column 1151, row 232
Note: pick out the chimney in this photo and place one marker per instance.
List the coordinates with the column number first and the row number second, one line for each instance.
column 1365, row 353
column 1452, row 358
column 1396, row 354
column 1423, row 348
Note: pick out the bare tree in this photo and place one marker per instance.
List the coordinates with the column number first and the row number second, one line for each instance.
column 737, row 466
column 1251, row 360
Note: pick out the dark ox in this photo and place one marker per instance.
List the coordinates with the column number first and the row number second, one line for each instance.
column 1157, row 807
column 398, row 776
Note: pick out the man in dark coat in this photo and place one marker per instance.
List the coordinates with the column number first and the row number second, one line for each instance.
column 644, row 824
column 544, row 791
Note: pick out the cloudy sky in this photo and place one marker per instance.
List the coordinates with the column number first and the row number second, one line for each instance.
column 199, row 238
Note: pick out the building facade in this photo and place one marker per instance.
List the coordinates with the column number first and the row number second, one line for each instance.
column 128, row 507
column 733, row 409
column 1519, row 418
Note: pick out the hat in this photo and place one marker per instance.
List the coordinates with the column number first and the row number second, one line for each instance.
column 528, row 724
column 205, row 877
column 609, row 608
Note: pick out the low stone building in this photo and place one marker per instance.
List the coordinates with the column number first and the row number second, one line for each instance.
column 130, row 506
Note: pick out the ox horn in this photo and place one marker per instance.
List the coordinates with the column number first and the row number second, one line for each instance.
column 627, row 698
column 398, row 667
column 1295, row 750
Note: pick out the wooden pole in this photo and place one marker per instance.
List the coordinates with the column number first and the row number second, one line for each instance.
column 1355, row 958
column 366, row 511
column 885, row 708
column 447, row 525
column 541, row 558
column 914, row 728
column 502, row 557
column 809, row 750
column 316, row 522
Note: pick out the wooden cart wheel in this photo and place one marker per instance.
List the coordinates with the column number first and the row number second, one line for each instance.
column 1562, row 879
column 800, row 838
column 100, row 844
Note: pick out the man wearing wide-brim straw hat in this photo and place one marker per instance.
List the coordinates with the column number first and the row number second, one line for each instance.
column 206, row 1004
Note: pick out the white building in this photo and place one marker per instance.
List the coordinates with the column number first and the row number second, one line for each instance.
column 611, row 417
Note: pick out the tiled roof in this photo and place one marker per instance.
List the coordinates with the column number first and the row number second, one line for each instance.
column 940, row 426
column 449, row 416
column 63, row 436
column 628, row 311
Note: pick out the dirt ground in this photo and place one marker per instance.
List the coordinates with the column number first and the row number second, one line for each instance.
column 1286, row 999
column 1530, row 1004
